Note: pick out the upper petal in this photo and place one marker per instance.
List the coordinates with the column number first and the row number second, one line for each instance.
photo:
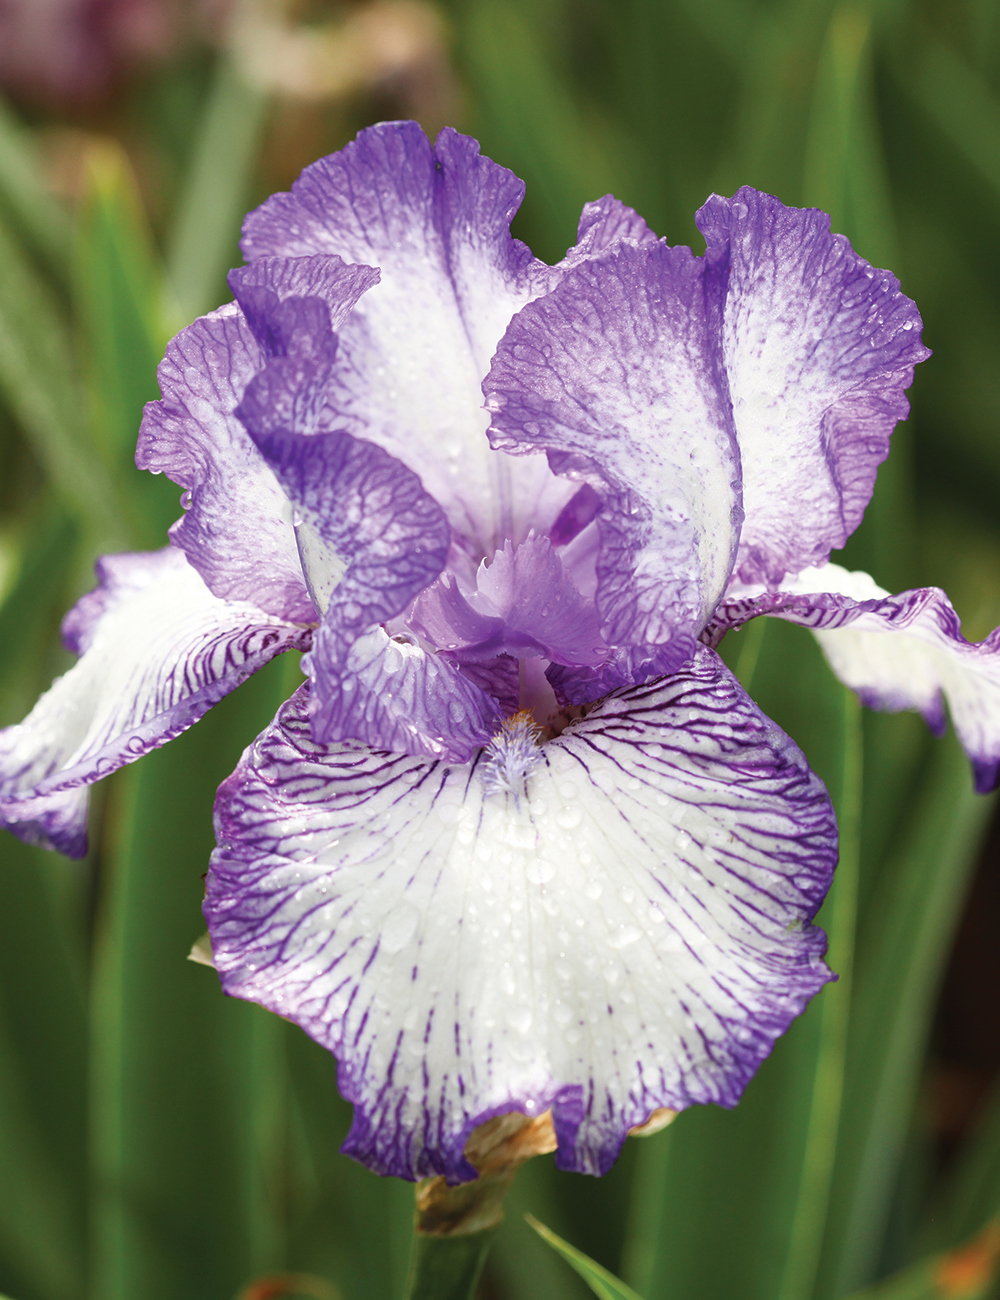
column 819, row 349
column 157, row 651
column 617, row 374
column 896, row 652
column 237, row 530
column 436, row 221
column 629, row 930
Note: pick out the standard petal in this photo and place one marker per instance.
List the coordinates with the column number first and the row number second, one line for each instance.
column 157, row 651
column 629, row 929
column 237, row 529
column 819, row 350
column 602, row 224
column 436, row 221
column 896, row 652
column 617, row 375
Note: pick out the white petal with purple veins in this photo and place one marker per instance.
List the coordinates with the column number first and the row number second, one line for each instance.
column 628, row 930
column 157, row 651
column 896, row 652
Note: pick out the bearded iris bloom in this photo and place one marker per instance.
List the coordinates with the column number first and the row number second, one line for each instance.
column 520, row 841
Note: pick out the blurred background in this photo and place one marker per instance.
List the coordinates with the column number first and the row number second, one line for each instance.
column 159, row 1142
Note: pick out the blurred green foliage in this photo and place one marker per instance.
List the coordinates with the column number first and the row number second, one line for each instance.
column 162, row 1142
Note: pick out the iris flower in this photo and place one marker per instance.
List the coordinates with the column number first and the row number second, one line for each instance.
column 520, row 842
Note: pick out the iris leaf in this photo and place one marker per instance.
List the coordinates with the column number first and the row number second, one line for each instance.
column 774, row 1154
column 39, row 218
column 528, row 116
column 901, row 950
column 601, row 1282
column 39, row 382
column 42, row 1076
column 960, row 103
column 204, row 242
column 189, row 1137
column 117, row 299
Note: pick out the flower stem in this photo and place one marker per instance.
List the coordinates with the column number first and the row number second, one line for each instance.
column 447, row 1268
column 455, row 1224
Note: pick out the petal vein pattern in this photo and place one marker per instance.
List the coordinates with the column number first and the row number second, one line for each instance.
column 819, row 348
column 157, row 651
column 435, row 220
column 617, row 375
column 237, row 529
column 632, row 932
column 896, row 652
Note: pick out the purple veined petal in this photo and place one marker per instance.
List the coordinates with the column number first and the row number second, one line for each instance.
column 604, row 223
column 525, row 604
column 369, row 536
column 436, row 221
column 624, row 666
column 260, row 287
column 388, row 692
column 237, row 529
column 617, row 374
column 819, row 350
column 896, row 652
column 629, row 930
column 157, row 651
column 499, row 677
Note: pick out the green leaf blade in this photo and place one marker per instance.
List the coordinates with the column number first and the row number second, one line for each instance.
column 601, row 1282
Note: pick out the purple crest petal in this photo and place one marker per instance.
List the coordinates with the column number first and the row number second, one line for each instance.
column 261, row 287
column 157, row 651
column 896, row 652
column 436, row 221
column 633, row 932
column 498, row 677
column 369, row 536
column 624, row 666
column 616, row 374
column 525, row 604
column 391, row 694
column 819, row 348
column 236, row 531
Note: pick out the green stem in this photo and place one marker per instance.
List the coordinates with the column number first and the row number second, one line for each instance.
column 447, row 1268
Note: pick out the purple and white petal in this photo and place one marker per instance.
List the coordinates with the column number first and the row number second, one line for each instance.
column 369, row 536
column 602, row 224
column 270, row 281
column 896, row 652
column 819, row 350
column 525, row 604
column 237, row 529
column 616, row 374
column 616, row 921
column 157, row 651
column 436, row 221
column 390, row 693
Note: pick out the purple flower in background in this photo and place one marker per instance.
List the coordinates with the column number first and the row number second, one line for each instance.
column 521, row 841
column 74, row 50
